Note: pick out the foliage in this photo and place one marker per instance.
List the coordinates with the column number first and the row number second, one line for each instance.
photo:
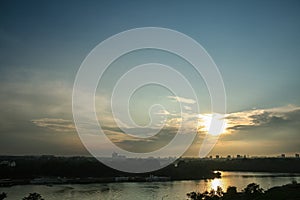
column 3, row 196
column 30, row 167
column 231, row 190
column 212, row 195
column 252, row 191
column 33, row 196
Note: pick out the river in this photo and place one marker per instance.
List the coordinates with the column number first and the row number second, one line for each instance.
column 172, row 190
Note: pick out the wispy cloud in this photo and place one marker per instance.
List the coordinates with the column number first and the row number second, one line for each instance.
column 57, row 125
column 261, row 117
column 182, row 99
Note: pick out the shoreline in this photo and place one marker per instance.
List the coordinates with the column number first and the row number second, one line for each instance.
column 90, row 180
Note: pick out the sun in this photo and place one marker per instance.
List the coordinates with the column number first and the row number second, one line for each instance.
column 204, row 124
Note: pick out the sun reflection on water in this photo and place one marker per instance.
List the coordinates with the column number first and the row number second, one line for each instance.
column 215, row 183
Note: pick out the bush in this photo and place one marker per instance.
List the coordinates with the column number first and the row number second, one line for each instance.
column 3, row 195
column 33, row 196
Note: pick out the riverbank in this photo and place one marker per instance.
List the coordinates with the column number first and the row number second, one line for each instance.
column 47, row 170
column 89, row 180
column 84, row 170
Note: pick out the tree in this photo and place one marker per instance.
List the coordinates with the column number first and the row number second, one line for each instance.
column 195, row 196
column 33, row 196
column 3, row 195
column 252, row 191
column 231, row 190
column 219, row 191
column 231, row 194
column 212, row 195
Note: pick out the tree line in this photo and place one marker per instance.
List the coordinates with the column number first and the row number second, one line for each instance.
column 31, row 196
column 252, row 192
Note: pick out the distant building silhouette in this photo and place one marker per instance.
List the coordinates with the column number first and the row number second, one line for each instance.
column 116, row 156
column 283, row 155
column 297, row 155
column 8, row 163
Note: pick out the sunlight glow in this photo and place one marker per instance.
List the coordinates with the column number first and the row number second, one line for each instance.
column 216, row 183
column 204, row 123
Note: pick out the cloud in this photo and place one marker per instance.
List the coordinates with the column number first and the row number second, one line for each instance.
column 262, row 117
column 58, row 125
column 256, row 132
column 262, row 132
column 143, row 145
column 33, row 109
column 27, row 94
column 182, row 99
column 163, row 112
column 262, row 128
column 187, row 107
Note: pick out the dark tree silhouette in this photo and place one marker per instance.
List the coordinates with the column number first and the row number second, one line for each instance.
column 251, row 192
column 231, row 194
column 253, row 189
column 231, row 190
column 33, row 196
column 219, row 191
column 3, row 195
column 195, row 195
column 212, row 195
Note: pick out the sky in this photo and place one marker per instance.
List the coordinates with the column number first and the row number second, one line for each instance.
column 255, row 45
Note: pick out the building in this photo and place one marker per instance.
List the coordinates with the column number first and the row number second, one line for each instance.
column 117, row 157
column 8, row 163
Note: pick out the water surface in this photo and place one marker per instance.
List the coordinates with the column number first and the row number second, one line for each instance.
column 172, row 190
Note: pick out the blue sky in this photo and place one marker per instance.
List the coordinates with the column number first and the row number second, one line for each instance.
column 255, row 44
